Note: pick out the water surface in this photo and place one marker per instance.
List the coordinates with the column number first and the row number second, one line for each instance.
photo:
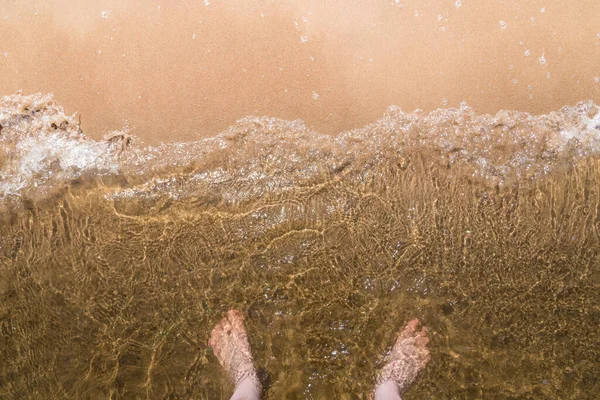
column 117, row 257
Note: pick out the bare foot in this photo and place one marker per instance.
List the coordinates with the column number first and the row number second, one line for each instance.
column 408, row 356
column 229, row 342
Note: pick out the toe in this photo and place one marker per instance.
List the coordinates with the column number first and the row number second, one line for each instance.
column 215, row 336
column 421, row 341
column 410, row 329
column 235, row 314
column 236, row 318
column 216, row 332
column 226, row 324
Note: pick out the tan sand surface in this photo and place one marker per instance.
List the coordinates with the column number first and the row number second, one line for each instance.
column 178, row 70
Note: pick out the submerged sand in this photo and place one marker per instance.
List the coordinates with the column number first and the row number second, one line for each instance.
column 116, row 261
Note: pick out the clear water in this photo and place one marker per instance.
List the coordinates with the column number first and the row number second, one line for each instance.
column 117, row 260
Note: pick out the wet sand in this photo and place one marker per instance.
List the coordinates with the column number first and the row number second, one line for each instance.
column 181, row 70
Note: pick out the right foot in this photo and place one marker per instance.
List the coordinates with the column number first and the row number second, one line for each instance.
column 408, row 356
column 229, row 342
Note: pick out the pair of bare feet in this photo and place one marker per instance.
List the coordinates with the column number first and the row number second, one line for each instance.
column 229, row 342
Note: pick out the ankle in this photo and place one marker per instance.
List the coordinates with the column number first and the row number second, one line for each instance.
column 387, row 390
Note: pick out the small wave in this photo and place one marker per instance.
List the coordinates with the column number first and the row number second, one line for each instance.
column 43, row 149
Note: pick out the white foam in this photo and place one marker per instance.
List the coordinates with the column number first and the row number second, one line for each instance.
column 42, row 148
column 42, row 144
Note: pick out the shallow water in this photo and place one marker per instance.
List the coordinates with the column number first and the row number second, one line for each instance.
column 118, row 258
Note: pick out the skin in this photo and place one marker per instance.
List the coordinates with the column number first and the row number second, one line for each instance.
column 408, row 356
column 229, row 341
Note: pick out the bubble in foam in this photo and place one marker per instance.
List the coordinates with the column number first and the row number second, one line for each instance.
column 458, row 3
column 502, row 25
column 597, row 79
column 105, row 14
column 527, row 53
column 542, row 60
column 315, row 95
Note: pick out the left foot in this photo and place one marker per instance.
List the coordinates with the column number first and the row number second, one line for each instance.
column 229, row 342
